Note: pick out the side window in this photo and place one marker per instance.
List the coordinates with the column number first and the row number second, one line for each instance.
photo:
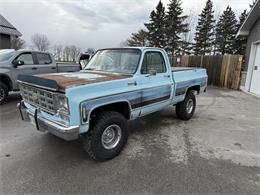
column 26, row 58
column 153, row 61
column 43, row 58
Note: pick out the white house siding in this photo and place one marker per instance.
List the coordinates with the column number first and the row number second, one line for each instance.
column 252, row 39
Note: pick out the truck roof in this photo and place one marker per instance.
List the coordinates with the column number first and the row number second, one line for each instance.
column 30, row 50
column 140, row 48
column 22, row 50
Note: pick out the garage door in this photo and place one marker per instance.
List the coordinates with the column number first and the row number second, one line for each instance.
column 255, row 82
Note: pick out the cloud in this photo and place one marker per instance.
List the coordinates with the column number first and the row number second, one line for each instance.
column 93, row 14
column 92, row 23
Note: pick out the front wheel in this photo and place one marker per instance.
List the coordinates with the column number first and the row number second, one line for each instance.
column 186, row 109
column 107, row 136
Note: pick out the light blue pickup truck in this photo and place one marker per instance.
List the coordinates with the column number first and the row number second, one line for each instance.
column 117, row 85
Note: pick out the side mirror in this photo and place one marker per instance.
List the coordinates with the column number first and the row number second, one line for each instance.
column 18, row 63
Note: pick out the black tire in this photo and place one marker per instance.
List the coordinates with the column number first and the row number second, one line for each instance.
column 3, row 93
column 92, row 142
column 182, row 111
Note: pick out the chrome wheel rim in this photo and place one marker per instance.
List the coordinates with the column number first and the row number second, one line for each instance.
column 189, row 106
column 2, row 94
column 111, row 136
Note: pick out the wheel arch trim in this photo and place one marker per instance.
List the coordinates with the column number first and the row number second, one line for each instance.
column 93, row 106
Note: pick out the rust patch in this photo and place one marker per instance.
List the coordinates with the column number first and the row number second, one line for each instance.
column 66, row 81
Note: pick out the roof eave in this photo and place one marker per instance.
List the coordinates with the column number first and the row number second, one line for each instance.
column 249, row 21
column 12, row 34
column 242, row 33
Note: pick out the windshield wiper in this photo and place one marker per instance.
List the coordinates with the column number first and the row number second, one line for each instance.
column 89, row 68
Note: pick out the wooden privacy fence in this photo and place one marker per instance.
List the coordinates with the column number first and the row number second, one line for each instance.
column 223, row 70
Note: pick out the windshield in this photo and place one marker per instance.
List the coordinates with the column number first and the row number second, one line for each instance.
column 115, row 60
column 6, row 54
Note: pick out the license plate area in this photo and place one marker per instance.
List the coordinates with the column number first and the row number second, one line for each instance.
column 34, row 121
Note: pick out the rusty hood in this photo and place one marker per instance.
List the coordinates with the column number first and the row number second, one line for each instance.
column 66, row 80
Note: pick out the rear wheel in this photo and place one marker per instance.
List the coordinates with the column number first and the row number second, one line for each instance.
column 107, row 136
column 3, row 93
column 186, row 109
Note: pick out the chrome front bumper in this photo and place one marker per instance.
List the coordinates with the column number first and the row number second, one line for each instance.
column 42, row 124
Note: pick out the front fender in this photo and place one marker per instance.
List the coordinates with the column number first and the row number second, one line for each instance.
column 91, row 105
column 4, row 71
column 6, row 79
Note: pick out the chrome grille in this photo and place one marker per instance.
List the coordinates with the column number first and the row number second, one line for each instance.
column 38, row 97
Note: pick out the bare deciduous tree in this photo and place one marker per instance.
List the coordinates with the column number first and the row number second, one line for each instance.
column 40, row 42
column 90, row 51
column 66, row 53
column 57, row 52
column 69, row 53
column 74, row 52
column 17, row 43
column 123, row 43
column 187, row 37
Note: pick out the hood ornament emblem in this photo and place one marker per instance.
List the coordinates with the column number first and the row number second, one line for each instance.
column 34, row 97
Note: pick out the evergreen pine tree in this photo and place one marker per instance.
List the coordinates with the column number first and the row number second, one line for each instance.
column 213, row 46
column 186, row 45
column 204, row 30
column 156, row 27
column 176, row 25
column 240, row 43
column 226, row 31
column 139, row 39
column 253, row 3
column 185, row 48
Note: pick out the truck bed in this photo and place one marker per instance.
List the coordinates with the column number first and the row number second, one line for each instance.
column 185, row 77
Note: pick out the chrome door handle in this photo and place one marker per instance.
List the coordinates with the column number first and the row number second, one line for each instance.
column 132, row 82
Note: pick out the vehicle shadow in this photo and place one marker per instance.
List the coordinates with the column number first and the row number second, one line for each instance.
column 69, row 150
column 13, row 97
column 11, row 103
column 153, row 121
column 74, row 150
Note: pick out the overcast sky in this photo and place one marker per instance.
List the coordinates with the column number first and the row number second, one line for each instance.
column 92, row 23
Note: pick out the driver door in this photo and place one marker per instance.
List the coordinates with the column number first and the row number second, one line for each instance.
column 156, row 82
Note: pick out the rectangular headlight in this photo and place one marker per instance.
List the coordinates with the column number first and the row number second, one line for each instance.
column 62, row 105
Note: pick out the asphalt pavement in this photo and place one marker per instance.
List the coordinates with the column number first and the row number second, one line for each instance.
column 216, row 152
